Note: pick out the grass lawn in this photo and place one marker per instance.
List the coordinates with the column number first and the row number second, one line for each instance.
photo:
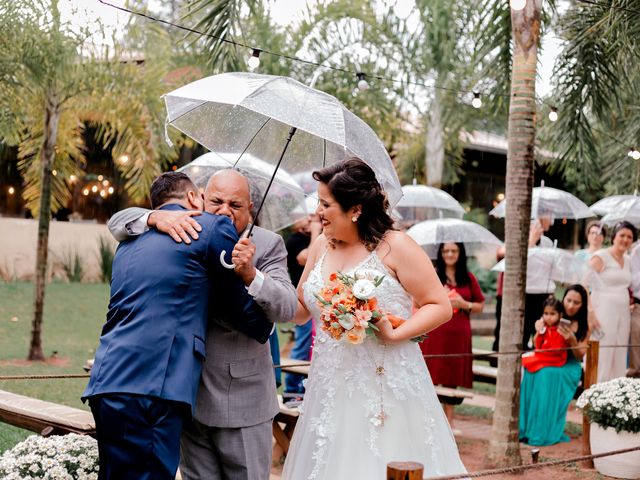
column 73, row 317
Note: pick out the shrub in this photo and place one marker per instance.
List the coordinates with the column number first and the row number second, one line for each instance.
column 105, row 258
column 72, row 265
column 70, row 457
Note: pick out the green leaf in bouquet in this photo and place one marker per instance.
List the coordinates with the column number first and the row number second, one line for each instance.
column 322, row 300
column 378, row 281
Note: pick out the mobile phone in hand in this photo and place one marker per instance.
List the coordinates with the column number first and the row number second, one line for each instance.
column 565, row 322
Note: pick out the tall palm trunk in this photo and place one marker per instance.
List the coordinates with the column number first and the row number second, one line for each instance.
column 434, row 150
column 47, row 155
column 504, row 448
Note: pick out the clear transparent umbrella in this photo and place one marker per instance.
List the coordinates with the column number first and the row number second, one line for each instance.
column 430, row 233
column 278, row 120
column 554, row 263
column 617, row 208
column 548, row 201
column 285, row 196
column 421, row 202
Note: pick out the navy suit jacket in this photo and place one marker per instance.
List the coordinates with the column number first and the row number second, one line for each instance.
column 161, row 292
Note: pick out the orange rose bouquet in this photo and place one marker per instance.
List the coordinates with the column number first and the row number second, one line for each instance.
column 348, row 306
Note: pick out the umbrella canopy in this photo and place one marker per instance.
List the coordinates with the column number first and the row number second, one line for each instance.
column 617, row 208
column 306, row 207
column 553, row 202
column 554, row 263
column 421, row 202
column 430, row 233
column 243, row 113
column 285, row 196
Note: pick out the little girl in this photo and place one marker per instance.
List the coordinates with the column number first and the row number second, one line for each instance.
column 547, row 337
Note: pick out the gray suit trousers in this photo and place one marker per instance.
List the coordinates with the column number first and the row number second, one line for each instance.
column 214, row 453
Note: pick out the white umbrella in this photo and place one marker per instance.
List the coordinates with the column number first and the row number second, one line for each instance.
column 551, row 201
column 421, row 202
column 617, row 208
column 285, row 196
column 430, row 233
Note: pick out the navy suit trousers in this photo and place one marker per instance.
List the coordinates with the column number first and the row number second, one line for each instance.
column 138, row 436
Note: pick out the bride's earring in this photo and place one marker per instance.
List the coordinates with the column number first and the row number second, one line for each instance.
column 354, row 219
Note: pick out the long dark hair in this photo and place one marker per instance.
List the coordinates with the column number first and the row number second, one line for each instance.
column 352, row 183
column 462, row 273
column 581, row 316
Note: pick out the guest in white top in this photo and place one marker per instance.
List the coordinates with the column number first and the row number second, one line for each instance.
column 611, row 301
column 634, row 352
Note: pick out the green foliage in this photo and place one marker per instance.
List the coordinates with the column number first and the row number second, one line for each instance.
column 105, row 258
column 72, row 264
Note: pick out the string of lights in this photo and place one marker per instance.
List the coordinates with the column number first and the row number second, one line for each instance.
column 253, row 61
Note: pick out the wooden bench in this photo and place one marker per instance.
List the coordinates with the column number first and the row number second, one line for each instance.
column 43, row 417
column 283, row 425
column 486, row 374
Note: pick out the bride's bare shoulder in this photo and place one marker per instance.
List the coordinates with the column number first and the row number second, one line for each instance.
column 396, row 248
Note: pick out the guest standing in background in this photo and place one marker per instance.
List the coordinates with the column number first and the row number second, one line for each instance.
column 595, row 233
column 634, row 337
column 545, row 395
column 539, row 286
column 611, row 301
column 454, row 336
column 305, row 231
column 493, row 361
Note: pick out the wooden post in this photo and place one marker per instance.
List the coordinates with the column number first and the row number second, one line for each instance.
column 590, row 378
column 405, row 471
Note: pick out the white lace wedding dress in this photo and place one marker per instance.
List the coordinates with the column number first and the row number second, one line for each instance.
column 357, row 417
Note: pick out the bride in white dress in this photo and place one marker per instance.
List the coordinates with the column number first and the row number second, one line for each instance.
column 373, row 403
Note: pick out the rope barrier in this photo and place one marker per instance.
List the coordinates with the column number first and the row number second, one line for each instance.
column 533, row 466
column 307, row 364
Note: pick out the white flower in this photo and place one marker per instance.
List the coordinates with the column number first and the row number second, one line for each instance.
column 368, row 274
column 363, row 289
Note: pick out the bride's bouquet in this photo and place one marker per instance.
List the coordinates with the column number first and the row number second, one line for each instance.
column 348, row 305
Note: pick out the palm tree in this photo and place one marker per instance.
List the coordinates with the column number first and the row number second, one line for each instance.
column 54, row 82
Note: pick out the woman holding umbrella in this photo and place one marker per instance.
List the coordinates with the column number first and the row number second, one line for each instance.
column 454, row 336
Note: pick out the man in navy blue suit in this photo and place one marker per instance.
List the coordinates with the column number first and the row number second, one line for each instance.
column 147, row 368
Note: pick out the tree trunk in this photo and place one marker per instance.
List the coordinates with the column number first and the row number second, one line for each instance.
column 434, row 149
column 47, row 156
column 504, row 448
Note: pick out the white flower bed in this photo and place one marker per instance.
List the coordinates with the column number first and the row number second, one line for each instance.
column 615, row 404
column 68, row 457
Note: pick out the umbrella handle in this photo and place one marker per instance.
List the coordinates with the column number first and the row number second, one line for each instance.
column 223, row 253
column 223, row 262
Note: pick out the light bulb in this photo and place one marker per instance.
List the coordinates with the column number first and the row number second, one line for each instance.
column 85, row 192
column 111, row 190
column 517, row 4
column 94, row 189
column 553, row 114
column 103, row 193
column 72, row 178
column 100, row 178
column 477, row 101
column 105, row 183
column 362, row 81
column 254, row 59
column 54, row 172
column 635, row 154
column 12, row 190
column 124, row 158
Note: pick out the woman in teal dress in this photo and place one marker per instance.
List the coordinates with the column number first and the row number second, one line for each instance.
column 545, row 394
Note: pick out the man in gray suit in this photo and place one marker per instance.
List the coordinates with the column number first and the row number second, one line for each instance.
column 230, row 436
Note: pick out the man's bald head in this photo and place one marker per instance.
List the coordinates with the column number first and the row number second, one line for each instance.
column 228, row 193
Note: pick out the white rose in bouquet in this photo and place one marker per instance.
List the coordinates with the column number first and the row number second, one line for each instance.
column 363, row 289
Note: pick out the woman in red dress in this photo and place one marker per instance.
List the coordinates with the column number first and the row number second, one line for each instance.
column 455, row 335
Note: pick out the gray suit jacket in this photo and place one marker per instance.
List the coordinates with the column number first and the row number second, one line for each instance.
column 238, row 388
